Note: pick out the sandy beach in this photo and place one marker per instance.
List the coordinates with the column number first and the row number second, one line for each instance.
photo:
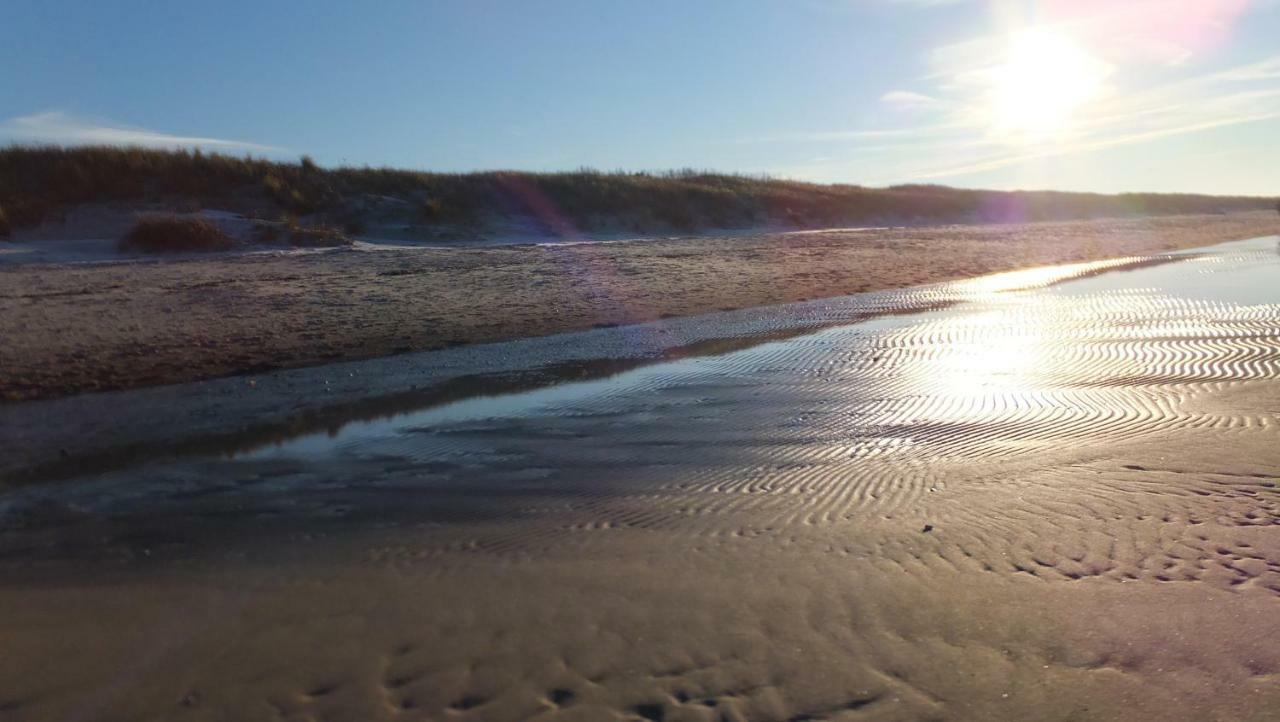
column 859, row 361
column 1052, row 496
column 70, row 328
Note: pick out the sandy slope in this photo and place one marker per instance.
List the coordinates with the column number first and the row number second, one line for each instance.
column 73, row 328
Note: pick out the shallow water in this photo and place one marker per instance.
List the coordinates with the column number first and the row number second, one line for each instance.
column 995, row 347
column 858, row 416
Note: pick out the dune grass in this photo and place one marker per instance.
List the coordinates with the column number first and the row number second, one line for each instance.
column 40, row 182
column 163, row 234
column 293, row 234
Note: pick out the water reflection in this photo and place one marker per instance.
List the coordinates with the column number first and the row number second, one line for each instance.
column 1002, row 350
column 865, row 411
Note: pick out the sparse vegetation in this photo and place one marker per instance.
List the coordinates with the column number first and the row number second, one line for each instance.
column 37, row 183
column 431, row 210
column 290, row 232
column 316, row 237
column 163, row 234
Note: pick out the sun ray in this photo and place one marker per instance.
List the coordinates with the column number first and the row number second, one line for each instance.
column 1044, row 80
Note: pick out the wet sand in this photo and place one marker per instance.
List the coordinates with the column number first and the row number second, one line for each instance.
column 70, row 328
column 1050, row 497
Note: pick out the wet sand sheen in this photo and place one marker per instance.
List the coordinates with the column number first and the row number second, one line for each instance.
column 1052, row 503
column 60, row 438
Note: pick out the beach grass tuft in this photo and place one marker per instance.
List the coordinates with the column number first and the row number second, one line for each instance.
column 163, row 234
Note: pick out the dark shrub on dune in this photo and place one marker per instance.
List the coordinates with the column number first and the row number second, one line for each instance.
column 292, row 234
column 4, row 224
column 161, row 234
column 317, row 237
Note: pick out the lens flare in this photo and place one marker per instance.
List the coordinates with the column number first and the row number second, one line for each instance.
column 1044, row 81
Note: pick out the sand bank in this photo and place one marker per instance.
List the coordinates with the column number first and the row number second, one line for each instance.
column 70, row 328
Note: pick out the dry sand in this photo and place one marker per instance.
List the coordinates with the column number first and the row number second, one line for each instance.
column 1043, row 600
column 1057, row 503
column 69, row 328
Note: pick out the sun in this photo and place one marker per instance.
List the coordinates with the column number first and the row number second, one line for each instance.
column 1045, row 79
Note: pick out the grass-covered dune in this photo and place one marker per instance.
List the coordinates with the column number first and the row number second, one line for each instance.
column 39, row 183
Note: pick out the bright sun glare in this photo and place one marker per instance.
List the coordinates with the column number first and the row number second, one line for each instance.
column 1044, row 80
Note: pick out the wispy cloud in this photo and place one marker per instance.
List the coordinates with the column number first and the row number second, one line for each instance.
column 58, row 127
column 1244, row 94
column 997, row 161
column 863, row 134
column 908, row 100
column 925, row 3
column 1126, row 75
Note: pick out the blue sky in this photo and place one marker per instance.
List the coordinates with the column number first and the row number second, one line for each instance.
column 1163, row 95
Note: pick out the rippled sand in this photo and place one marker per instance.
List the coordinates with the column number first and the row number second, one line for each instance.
column 1032, row 498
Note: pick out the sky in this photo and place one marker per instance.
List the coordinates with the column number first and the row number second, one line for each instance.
column 1091, row 95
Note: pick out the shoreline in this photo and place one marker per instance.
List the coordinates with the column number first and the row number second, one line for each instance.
column 72, row 329
column 51, row 439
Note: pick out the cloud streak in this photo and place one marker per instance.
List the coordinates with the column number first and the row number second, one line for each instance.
column 1220, row 99
column 960, row 117
column 61, row 128
column 908, row 100
column 863, row 134
column 1004, row 161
